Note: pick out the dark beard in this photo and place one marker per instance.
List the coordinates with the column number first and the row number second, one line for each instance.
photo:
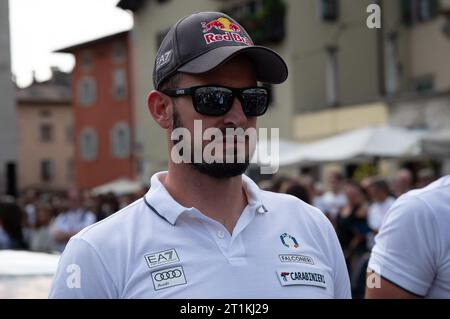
column 214, row 170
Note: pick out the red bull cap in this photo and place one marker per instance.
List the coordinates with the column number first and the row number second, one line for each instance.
column 203, row 41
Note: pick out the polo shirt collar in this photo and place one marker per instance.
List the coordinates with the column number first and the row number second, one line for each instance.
column 166, row 207
column 253, row 195
column 161, row 202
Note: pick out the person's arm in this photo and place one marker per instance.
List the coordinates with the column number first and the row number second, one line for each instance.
column 387, row 290
column 82, row 274
column 404, row 254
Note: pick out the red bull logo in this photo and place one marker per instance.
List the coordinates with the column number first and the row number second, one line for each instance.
column 231, row 32
column 221, row 24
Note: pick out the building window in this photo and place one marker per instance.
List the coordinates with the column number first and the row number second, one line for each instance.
column 417, row 11
column 392, row 64
column 120, row 140
column 86, row 60
column 329, row 10
column 87, row 91
column 88, row 144
column 119, row 84
column 118, row 52
column 47, row 170
column 264, row 20
column 424, row 84
column 46, row 133
column 332, row 76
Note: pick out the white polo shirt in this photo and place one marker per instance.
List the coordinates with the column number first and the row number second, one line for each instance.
column 156, row 248
column 412, row 249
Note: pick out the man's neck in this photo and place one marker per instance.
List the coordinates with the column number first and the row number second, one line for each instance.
column 220, row 199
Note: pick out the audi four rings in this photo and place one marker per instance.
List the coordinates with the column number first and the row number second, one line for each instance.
column 168, row 275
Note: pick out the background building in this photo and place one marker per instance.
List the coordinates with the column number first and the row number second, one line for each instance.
column 45, row 134
column 103, row 120
column 343, row 74
column 8, row 140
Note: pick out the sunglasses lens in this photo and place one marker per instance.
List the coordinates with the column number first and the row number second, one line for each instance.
column 255, row 101
column 213, row 101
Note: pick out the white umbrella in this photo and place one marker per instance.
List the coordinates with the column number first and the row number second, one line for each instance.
column 121, row 186
column 374, row 141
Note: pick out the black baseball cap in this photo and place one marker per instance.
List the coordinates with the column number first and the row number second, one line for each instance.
column 203, row 41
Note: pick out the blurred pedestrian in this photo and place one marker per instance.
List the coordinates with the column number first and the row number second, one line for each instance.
column 69, row 223
column 315, row 192
column 41, row 235
column 403, row 182
column 299, row 191
column 351, row 224
column 335, row 199
column 11, row 223
column 425, row 177
column 382, row 201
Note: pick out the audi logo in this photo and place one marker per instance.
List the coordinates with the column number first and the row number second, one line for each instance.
column 168, row 275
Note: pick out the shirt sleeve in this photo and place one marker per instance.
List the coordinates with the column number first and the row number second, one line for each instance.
column 404, row 251
column 81, row 274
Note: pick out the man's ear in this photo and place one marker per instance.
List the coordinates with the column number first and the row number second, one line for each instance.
column 160, row 107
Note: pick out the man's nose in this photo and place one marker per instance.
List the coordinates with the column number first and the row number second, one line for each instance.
column 235, row 116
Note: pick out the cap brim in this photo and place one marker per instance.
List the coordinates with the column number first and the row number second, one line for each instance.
column 269, row 66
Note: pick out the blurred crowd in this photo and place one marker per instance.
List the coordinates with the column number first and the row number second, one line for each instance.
column 45, row 222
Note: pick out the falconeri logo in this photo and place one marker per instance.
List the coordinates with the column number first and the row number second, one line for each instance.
column 289, row 241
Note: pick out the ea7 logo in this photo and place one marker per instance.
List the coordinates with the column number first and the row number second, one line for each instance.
column 163, row 59
column 162, row 258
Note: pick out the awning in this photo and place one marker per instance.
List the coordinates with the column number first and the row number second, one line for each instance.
column 437, row 144
column 370, row 142
column 121, row 186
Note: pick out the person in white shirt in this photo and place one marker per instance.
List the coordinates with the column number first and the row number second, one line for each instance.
column 411, row 256
column 205, row 230
column 41, row 238
column 379, row 193
column 70, row 222
column 334, row 200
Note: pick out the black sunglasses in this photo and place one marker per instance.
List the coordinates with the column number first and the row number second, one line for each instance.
column 214, row 100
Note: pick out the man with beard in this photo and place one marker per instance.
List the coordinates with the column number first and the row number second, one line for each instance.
column 205, row 230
